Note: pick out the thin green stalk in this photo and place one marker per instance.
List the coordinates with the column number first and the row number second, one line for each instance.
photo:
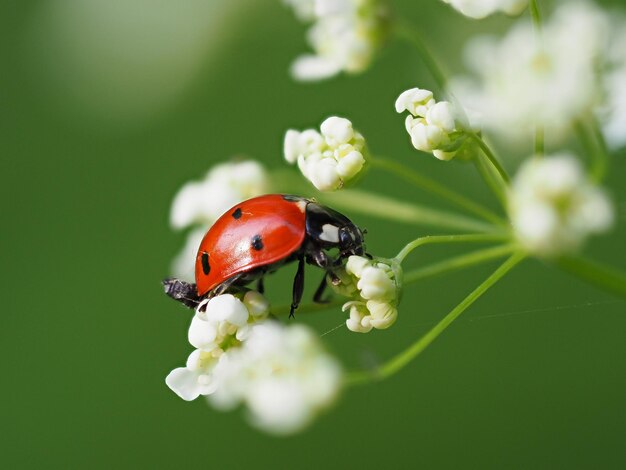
column 487, row 173
column 458, row 262
column 386, row 208
column 411, row 34
column 491, row 157
column 438, row 239
column 539, row 142
column 601, row 162
column 422, row 182
column 593, row 142
column 398, row 362
column 604, row 277
column 535, row 14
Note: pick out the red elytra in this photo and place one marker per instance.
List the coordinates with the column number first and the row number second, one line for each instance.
column 255, row 233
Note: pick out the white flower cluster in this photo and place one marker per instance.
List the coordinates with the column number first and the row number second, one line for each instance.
column 436, row 127
column 200, row 203
column 329, row 159
column 522, row 82
column 481, row 8
column 375, row 287
column 344, row 36
column 554, row 208
column 282, row 374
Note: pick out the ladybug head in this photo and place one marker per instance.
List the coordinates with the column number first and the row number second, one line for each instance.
column 351, row 241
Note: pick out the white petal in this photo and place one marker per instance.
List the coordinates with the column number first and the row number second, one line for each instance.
column 202, row 333
column 227, row 308
column 313, row 68
column 184, row 383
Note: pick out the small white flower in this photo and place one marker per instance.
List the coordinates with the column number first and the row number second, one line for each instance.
column 281, row 374
column 223, row 320
column 521, row 83
column 224, row 186
column 344, row 36
column 375, row 287
column 196, row 378
column 481, row 8
column 554, row 208
column 330, row 159
column 434, row 127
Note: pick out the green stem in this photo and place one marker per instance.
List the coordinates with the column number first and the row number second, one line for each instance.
column 383, row 207
column 539, row 142
column 487, row 173
column 411, row 34
column 604, row 277
column 491, row 157
column 422, row 182
column 458, row 262
column 593, row 142
column 601, row 162
column 535, row 14
column 398, row 362
column 438, row 239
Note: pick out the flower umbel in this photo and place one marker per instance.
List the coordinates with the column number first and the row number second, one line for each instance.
column 282, row 374
column 375, row 287
column 331, row 158
column 554, row 208
column 436, row 127
column 344, row 36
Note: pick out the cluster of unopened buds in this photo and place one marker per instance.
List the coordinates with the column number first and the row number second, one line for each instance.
column 435, row 127
column 331, row 158
column 282, row 374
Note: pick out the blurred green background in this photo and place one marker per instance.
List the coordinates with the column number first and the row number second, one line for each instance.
column 108, row 108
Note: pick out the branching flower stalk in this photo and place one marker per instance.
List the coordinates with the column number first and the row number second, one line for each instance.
column 245, row 356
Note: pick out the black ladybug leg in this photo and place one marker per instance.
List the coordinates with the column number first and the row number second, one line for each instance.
column 260, row 286
column 298, row 287
column 317, row 297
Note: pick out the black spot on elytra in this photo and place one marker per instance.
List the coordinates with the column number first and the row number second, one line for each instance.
column 237, row 213
column 206, row 267
column 257, row 242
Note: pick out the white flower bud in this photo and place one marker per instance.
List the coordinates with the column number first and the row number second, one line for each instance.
column 376, row 284
column 416, row 101
column 441, row 115
column 359, row 320
column 337, row 131
column 258, row 306
column 382, row 314
column 350, row 165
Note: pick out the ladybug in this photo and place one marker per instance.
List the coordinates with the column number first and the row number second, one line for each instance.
column 258, row 236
